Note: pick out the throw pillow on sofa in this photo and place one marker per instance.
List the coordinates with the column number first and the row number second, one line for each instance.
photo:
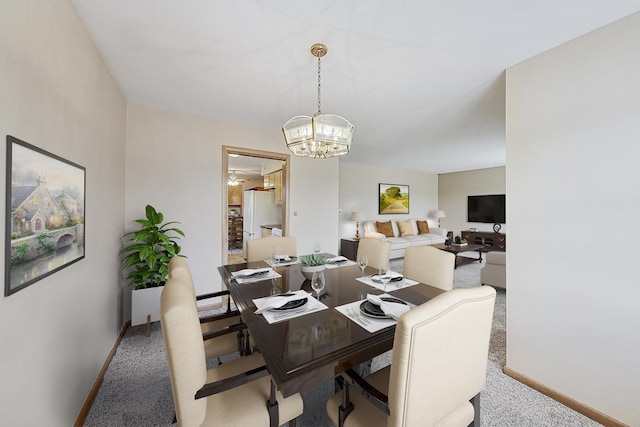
column 406, row 228
column 385, row 228
column 423, row 227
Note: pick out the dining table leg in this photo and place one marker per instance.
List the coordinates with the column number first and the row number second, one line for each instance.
column 272, row 406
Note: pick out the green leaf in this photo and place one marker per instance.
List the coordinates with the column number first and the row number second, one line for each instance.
column 149, row 211
column 176, row 230
column 131, row 260
column 149, row 249
column 313, row 260
column 131, row 248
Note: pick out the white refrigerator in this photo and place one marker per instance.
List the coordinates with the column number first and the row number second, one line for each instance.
column 259, row 208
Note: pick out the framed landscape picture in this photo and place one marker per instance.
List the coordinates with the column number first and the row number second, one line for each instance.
column 393, row 199
column 45, row 208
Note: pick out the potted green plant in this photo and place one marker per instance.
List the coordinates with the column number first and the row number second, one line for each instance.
column 312, row 263
column 147, row 253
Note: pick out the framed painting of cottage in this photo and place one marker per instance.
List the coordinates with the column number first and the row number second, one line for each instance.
column 45, row 208
column 393, row 199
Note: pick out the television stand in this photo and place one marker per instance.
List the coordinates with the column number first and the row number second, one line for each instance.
column 490, row 241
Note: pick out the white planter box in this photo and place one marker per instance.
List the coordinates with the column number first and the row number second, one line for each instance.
column 307, row 271
column 145, row 302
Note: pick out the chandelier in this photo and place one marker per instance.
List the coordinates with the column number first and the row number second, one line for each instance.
column 321, row 136
column 233, row 179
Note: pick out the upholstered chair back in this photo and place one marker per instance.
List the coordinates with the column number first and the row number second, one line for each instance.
column 185, row 352
column 179, row 269
column 261, row 249
column 439, row 358
column 376, row 250
column 430, row 266
column 226, row 344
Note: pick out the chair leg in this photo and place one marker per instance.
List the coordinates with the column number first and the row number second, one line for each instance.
column 247, row 345
column 475, row 401
column 272, row 407
column 345, row 409
column 240, row 338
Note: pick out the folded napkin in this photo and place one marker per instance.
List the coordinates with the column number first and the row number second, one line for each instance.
column 277, row 301
column 336, row 259
column 250, row 272
column 391, row 309
column 395, row 276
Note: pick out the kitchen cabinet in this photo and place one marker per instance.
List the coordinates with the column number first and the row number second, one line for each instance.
column 235, row 195
column 278, row 187
column 274, row 180
column 267, row 230
column 269, row 180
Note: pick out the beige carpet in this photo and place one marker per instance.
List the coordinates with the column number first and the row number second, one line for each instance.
column 136, row 390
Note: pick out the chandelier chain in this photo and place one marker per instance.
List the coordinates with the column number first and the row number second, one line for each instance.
column 319, row 110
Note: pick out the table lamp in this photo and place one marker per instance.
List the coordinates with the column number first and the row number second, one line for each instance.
column 357, row 216
column 439, row 214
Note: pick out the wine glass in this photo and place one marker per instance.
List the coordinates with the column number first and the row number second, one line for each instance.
column 317, row 282
column 363, row 262
column 275, row 257
column 275, row 290
column 384, row 274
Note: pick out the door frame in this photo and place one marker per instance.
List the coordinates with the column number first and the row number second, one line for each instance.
column 250, row 152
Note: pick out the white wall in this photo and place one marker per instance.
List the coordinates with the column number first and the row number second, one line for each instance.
column 453, row 189
column 359, row 192
column 57, row 95
column 572, row 153
column 174, row 163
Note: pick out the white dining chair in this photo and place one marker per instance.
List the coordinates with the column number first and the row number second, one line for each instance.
column 225, row 331
column 377, row 251
column 430, row 266
column 438, row 367
column 263, row 249
column 227, row 394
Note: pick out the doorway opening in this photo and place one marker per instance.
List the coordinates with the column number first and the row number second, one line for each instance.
column 245, row 172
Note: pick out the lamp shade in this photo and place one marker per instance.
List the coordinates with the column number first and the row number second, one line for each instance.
column 356, row 216
column 440, row 214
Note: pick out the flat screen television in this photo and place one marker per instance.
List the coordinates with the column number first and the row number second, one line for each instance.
column 487, row 209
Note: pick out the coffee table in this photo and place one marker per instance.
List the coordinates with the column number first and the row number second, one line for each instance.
column 456, row 249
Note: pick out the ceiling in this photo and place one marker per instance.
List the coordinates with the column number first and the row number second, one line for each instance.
column 248, row 167
column 422, row 81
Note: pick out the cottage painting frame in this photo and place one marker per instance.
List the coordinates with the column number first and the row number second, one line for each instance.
column 393, row 199
column 44, row 216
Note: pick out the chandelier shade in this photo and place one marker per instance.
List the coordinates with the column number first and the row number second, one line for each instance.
column 320, row 136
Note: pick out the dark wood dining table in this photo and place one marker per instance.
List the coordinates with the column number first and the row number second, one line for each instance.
column 314, row 347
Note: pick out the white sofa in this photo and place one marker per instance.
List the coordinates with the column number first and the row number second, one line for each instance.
column 400, row 242
column 494, row 272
